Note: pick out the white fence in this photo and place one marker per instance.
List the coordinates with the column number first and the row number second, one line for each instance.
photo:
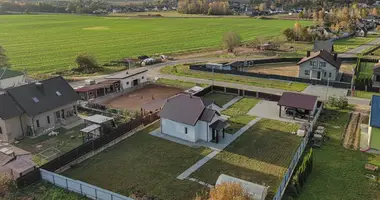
column 80, row 187
column 288, row 175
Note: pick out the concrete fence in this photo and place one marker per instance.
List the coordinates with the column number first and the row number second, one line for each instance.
column 85, row 189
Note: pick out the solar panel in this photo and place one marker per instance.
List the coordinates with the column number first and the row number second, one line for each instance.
column 35, row 100
column 58, row 93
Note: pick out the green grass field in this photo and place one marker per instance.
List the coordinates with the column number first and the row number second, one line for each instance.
column 365, row 94
column 219, row 98
column 49, row 43
column 261, row 155
column 344, row 45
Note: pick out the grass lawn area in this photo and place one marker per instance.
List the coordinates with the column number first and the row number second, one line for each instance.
column 50, row 43
column 178, row 83
column 339, row 173
column 145, row 164
column 63, row 142
column 261, row 155
column 347, row 44
column 366, row 70
column 238, row 114
column 219, row 98
column 365, row 94
column 375, row 138
column 44, row 191
column 183, row 70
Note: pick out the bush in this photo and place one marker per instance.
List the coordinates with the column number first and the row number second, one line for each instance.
column 228, row 191
column 338, row 102
column 7, row 185
column 231, row 40
column 87, row 64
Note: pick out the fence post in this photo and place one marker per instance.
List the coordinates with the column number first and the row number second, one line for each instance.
column 80, row 186
column 53, row 179
column 96, row 193
column 67, row 185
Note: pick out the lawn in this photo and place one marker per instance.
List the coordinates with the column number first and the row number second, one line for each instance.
column 339, row 173
column 63, row 142
column 261, row 155
column 238, row 114
column 366, row 70
column 50, row 43
column 142, row 164
column 178, row 83
column 347, row 44
column 375, row 138
column 44, row 191
column 365, row 94
column 183, row 70
column 219, row 98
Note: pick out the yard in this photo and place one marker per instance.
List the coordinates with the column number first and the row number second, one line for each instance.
column 261, row 155
column 238, row 114
column 183, row 70
column 366, row 70
column 219, row 98
column 143, row 164
column 178, row 83
column 339, row 173
column 347, row 44
column 113, row 38
column 135, row 100
column 365, row 94
column 65, row 141
column 283, row 69
column 375, row 138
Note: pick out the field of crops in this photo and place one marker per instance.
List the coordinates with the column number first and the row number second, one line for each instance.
column 49, row 43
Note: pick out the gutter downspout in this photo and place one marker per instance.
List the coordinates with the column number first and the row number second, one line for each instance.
column 22, row 128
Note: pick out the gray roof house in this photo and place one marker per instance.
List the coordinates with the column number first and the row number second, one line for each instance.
column 321, row 65
column 192, row 119
column 326, row 45
column 37, row 108
column 10, row 78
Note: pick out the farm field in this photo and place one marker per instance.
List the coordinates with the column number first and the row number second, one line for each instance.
column 183, row 70
column 50, row 43
column 135, row 100
column 339, row 172
column 261, row 155
column 143, row 164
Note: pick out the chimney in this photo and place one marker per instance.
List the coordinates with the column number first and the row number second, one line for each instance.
column 335, row 56
column 308, row 54
column 40, row 86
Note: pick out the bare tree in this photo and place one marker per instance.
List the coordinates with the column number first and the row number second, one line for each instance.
column 231, row 40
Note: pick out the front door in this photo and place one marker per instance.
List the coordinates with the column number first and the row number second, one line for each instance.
column 135, row 82
column 319, row 75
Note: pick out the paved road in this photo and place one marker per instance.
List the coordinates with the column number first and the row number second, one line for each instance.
column 360, row 48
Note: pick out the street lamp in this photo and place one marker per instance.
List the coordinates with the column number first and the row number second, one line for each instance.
column 327, row 88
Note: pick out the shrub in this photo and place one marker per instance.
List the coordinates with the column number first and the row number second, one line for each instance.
column 231, row 40
column 7, row 185
column 338, row 102
column 87, row 64
column 228, row 191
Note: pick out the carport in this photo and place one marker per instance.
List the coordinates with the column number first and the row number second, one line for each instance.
column 298, row 101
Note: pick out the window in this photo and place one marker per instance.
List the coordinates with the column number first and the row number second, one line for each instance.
column 325, row 74
column 38, row 123
column 35, row 100
column 330, row 75
column 322, row 64
column 142, row 77
column 1, row 130
column 127, row 83
column 185, row 130
column 48, row 119
column 307, row 72
column 58, row 93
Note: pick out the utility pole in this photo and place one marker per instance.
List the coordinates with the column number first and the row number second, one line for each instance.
column 327, row 88
column 213, row 76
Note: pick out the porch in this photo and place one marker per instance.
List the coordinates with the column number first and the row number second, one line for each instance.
column 218, row 130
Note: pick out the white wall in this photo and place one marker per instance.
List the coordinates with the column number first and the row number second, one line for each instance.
column 3, row 126
column 127, row 82
column 201, row 131
column 328, row 69
column 177, row 129
column 11, row 82
column 11, row 129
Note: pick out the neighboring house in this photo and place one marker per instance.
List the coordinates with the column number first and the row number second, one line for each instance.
column 320, row 65
column 10, row 78
column 374, row 124
column 361, row 31
column 42, row 106
column 192, row 118
column 326, row 45
column 376, row 76
column 131, row 78
column 98, row 90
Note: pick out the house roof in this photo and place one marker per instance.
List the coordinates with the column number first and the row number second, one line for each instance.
column 39, row 97
column 326, row 45
column 128, row 73
column 326, row 56
column 186, row 109
column 7, row 73
column 375, row 111
column 298, row 100
column 208, row 115
column 218, row 125
column 92, row 87
column 8, row 108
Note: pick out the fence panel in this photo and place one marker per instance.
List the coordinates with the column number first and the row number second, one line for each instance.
column 28, row 178
column 80, row 187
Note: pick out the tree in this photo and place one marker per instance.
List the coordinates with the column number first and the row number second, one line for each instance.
column 231, row 40
column 3, row 58
column 297, row 30
column 315, row 17
column 87, row 63
column 262, row 7
column 374, row 12
column 289, row 34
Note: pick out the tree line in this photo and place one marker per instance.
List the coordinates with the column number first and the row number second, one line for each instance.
column 206, row 7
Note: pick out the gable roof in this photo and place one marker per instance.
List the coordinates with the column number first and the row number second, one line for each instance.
column 326, row 56
column 186, row 109
column 7, row 73
column 298, row 100
column 8, row 108
column 208, row 115
column 326, row 45
column 375, row 111
column 128, row 73
column 39, row 97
